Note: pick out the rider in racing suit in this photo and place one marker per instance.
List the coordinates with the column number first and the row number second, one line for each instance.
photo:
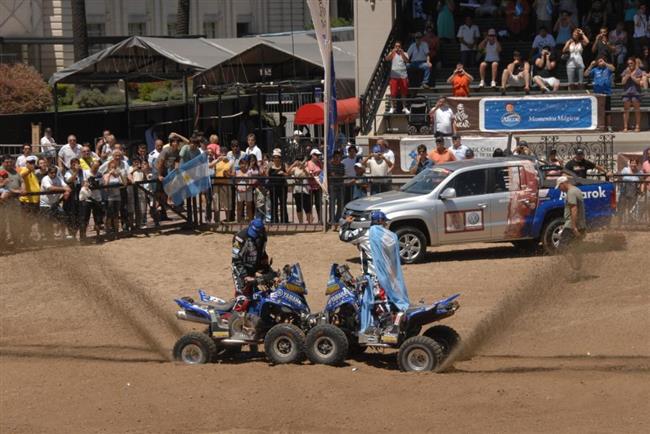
column 248, row 258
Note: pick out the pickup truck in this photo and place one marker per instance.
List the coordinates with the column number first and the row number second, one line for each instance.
column 511, row 199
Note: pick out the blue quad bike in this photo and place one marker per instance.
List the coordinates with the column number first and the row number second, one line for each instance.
column 278, row 316
column 337, row 335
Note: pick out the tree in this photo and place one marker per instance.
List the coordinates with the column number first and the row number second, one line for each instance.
column 183, row 18
column 79, row 30
column 22, row 90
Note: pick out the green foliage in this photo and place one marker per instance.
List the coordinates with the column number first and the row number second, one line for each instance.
column 159, row 95
column 176, row 94
column 340, row 22
column 89, row 98
column 146, row 89
column 113, row 96
column 65, row 93
column 22, row 90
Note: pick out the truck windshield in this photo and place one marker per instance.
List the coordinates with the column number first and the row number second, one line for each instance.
column 425, row 181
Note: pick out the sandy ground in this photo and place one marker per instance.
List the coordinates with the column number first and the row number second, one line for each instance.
column 85, row 333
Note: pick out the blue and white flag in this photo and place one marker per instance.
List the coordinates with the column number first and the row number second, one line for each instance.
column 189, row 180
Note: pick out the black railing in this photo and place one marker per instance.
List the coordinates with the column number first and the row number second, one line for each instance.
column 597, row 148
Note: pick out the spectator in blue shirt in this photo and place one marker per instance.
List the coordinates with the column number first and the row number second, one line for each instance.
column 602, row 75
column 421, row 162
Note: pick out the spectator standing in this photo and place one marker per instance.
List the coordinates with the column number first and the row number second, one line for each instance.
column 56, row 190
column 11, row 188
column 91, row 202
column 602, row 76
column 153, row 155
column 214, row 144
column 575, row 66
column 87, row 157
column 48, row 144
column 421, row 161
column 632, row 78
column 640, row 35
column 277, row 173
column 167, row 160
column 601, row 46
column 442, row 118
column 468, row 35
column 441, row 154
column 460, row 81
column 522, row 148
column 244, row 189
column 418, row 55
column 630, row 187
column 42, row 170
column 67, row 152
column 445, row 21
column 360, row 188
column 544, row 13
column 116, row 179
column 618, row 37
column 191, row 150
column 301, row 190
column 399, row 82
column 336, row 172
column 517, row 15
column 387, row 153
column 74, row 178
column 222, row 194
column 580, row 165
column 516, row 74
column 235, row 154
column 314, row 168
column 563, row 28
column 457, row 148
column 492, row 49
column 542, row 39
column 348, row 163
column 30, row 184
column 544, row 67
column 252, row 148
column 27, row 151
column 378, row 166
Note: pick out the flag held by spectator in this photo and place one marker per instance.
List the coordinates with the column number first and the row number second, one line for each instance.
column 189, row 180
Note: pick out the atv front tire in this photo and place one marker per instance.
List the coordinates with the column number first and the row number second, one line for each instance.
column 326, row 345
column 419, row 354
column 195, row 348
column 285, row 343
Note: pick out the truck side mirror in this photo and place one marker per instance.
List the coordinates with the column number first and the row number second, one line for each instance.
column 449, row 193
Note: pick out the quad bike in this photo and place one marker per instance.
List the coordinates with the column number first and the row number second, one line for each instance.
column 277, row 316
column 337, row 333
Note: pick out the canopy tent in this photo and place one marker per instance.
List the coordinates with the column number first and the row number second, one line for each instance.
column 314, row 113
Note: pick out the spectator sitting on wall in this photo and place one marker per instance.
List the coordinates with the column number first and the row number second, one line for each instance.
column 441, row 154
column 399, row 82
column 602, row 77
column 545, row 66
column 442, row 118
column 252, row 147
column 27, row 151
column 516, row 74
column 492, row 49
column 580, row 165
column 457, row 148
column 418, row 55
column 460, row 81
column 421, row 161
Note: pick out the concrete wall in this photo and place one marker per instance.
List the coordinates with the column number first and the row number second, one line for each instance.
column 372, row 23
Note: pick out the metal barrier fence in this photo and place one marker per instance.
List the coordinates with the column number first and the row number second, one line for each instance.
column 633, row 202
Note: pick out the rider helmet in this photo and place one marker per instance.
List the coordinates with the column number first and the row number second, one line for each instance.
column 377, row 218
column 255, row 228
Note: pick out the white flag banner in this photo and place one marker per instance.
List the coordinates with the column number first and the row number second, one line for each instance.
column 320, row 16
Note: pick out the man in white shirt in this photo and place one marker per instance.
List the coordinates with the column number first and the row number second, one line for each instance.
column 640, row 30
column 543, row 39
column 49, row 203
column 457, row 148
column 69, row 151
column 252, row 147
column 419, row 58
column 468, row 36
column 378, row 166
column 442, row 118
column 153, row 155
column 21, row 161
column 387, row 152
column 48, row 144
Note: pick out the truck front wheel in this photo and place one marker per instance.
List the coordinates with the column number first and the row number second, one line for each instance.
column 551, row 235
column 412, row 244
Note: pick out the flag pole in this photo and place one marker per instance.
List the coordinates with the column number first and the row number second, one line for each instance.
column 326, row 130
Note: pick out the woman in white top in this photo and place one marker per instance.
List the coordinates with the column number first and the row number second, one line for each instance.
column 575, row 66
column 492, row 49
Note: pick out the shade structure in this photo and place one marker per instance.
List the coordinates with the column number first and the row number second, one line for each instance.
column 314, row 113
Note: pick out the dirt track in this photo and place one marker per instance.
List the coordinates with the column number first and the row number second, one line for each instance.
column 83, row 339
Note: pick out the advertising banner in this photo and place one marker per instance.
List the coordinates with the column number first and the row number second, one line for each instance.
column 538, row 113
column 483, row 147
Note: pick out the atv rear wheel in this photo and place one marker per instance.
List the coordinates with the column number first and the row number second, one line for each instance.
column 285, row 343
column 445, row 336
column 326, row 345
column 195, row 348
column 419, row 354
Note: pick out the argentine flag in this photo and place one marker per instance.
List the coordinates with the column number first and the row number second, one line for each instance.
column 190, row 179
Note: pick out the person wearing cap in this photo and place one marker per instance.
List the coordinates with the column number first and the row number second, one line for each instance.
column 360, row 183
column 421, row 161
column 378, row 166
column 492, row 49
column 440, row 154
column 580, row 165
column 314, row 168
column 516, row 74
column 468, row 36
column 522, row 148
column 418, row 54
column 249, row 257
column 459, row 150
column 545, row 66
column 575, row 226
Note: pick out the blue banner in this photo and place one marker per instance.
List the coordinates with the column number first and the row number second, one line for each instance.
column 538, row 113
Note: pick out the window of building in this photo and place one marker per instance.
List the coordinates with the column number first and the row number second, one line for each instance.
column 137, row 29
column 96, row 29
column 210, row 29
column 171, row 28
column 243, row 29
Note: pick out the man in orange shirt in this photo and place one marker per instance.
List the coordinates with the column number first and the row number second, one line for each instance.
column 441, row 154
column 460, row 81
